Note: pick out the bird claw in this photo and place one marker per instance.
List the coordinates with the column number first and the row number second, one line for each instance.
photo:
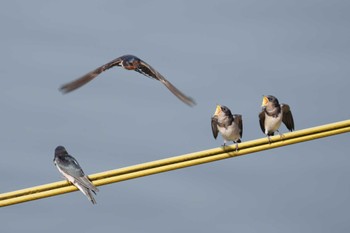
column 281, row 135
column 236, row 146
column 269, row 138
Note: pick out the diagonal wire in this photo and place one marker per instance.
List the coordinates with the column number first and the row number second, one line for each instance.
column 182, row 161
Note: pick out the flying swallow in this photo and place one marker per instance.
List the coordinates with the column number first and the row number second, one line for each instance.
column 272, row 114
column 69, row 167
column 128, row 62
column 230, row 126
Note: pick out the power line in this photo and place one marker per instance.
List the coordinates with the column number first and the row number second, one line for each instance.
column 173, row 163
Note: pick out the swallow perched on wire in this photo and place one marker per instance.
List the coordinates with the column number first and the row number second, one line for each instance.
column 128, row 62
column 230, row 126
column 69, row 167
column 272, row 114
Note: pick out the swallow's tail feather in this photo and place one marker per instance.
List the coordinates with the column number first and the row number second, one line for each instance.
column 90, row 196
column 87, row 192
column 86, row 187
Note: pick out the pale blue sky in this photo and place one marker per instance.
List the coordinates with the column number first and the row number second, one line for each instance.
column 226, row 52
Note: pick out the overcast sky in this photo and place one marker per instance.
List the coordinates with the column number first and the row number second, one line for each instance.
column 218, row 52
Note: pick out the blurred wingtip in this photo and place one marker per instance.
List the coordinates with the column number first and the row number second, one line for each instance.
column 63, row 89
column 191, row 102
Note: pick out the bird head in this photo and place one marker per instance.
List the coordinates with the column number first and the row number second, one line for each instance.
column 269, row 100
column 60, row 150
column 220, row 109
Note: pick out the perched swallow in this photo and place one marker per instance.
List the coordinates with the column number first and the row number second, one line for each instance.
column 128, row 62
column 273, row 114
column 69, row 167
column 230, row 126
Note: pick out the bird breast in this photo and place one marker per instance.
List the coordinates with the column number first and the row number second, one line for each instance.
column 231, row 133
column 272, row 124
column 131, row 64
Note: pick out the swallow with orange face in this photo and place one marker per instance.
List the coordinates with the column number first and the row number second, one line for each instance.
column 273, row 114
column 128, row 62
column 229, row 125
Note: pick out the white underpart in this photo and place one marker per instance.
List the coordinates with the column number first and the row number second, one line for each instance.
column 272, row 124
column 73, row 181
column 231, row 133
column 122, row 65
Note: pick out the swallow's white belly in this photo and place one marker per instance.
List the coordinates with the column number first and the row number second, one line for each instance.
column 230, row 133
column 272, row 124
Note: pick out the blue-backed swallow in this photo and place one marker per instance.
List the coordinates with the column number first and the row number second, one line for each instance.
column 69, row 167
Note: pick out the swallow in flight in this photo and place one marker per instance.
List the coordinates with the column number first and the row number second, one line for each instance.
column 128, row 62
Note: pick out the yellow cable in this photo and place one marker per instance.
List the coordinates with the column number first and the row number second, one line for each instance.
column 177, row 162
